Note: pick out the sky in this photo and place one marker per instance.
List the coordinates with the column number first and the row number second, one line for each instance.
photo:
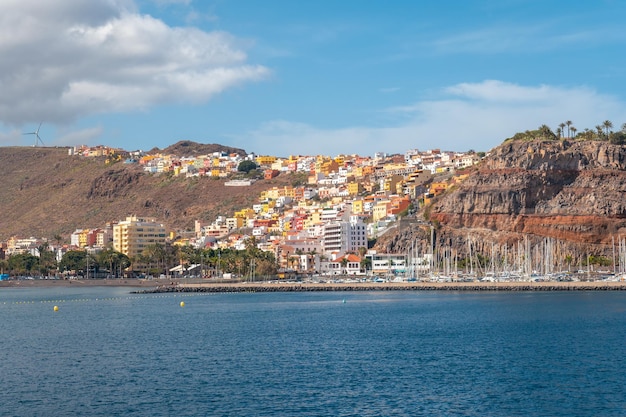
column 323, row 77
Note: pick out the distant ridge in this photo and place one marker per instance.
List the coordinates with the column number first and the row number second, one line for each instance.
column 190, row 148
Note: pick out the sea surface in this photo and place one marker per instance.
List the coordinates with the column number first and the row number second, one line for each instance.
column 106, row 352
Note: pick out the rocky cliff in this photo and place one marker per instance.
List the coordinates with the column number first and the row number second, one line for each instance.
column 573, row 192
column 525, row 192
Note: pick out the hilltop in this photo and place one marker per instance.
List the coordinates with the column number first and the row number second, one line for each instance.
column 190, row 148
column 46, row 192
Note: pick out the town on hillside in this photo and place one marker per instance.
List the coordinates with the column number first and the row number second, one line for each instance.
column 322, row 226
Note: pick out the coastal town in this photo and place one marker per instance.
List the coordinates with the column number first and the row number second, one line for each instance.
column 320, row 226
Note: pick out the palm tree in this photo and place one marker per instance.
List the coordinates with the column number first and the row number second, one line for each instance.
column 568, row 124
column 561, row 127
column 58, row 239
column 546, row 132
column 573, row 131
column 293, row 262
column 187, row 254
column 47, row 259
column 156, row 253
column 115, row 260
column 344, row 263
column 599, row 130
column 568, row 261
column 365, row 264
column 607, row 125
column 310, row 260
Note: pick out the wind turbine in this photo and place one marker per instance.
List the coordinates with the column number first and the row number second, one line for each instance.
column 36, row 133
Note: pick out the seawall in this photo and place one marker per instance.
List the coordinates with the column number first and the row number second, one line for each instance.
column 390, row 286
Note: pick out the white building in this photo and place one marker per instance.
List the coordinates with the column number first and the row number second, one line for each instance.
column 342, row 237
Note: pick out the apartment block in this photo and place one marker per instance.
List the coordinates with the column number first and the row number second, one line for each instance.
column 342, row 236
column 133, row 235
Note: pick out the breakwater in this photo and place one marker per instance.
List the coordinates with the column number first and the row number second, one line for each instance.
column 391, row 286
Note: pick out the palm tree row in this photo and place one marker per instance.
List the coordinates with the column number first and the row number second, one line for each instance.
column 566, row 130
column 159, row 259
column 108, row 261
column 155, row 259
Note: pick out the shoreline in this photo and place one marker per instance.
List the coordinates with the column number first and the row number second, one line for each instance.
column 65, row 283
column 392, row 286
column 185, row 285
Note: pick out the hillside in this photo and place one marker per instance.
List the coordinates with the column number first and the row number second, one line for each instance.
column 46, row 192
column 571, row 191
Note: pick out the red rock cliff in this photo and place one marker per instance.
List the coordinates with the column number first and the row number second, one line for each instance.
column 571, row 191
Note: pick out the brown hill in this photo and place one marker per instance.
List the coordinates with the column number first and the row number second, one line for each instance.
column 189, row 148
column 45, row 192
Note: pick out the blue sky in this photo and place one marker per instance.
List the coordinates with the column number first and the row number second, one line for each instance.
column 316, row 77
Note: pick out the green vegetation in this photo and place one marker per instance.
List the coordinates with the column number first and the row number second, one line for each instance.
column 246, row 166
column 566, row 130
column 159, row 259
column 155, row 260
column 599, row 260
column 299, row 179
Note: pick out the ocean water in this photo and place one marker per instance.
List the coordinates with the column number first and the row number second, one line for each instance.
column 106, row 352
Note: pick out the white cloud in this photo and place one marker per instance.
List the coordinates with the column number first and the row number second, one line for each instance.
column 465, row 116
column 79, row 137
column 168, row 2
column 65, row 59
column 553, row 34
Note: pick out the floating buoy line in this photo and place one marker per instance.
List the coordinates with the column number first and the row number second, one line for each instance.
column 86, row 300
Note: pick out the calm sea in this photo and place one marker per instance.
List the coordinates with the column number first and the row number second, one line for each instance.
column 106, row 352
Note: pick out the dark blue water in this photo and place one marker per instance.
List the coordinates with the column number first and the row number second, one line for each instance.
column 107, row 353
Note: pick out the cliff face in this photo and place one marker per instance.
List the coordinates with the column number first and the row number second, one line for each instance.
column 570, row 191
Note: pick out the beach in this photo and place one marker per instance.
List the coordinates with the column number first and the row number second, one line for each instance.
column 114, row 282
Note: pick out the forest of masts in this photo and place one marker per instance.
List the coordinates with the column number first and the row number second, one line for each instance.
column 548, row 258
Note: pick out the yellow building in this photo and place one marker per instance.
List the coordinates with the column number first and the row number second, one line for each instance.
column 391, row 182
column 233, row 223
column 328, row 167
column 82, row 238
column 437, row 188
column 357, row 207
column 368, row 170
column 314, row 217
column 379, row 211
column 355, row 188
column 246, row 213
column 265, row 160
column 275, row 193
column 133, row 235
